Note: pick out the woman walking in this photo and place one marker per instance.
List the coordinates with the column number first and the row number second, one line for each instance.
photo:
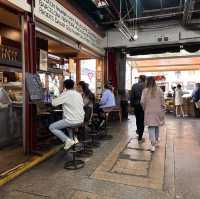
column 152, row 101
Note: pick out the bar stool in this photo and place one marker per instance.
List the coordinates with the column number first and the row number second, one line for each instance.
column 74, row 164
column 94, row 134
column 86, row 152
column 105, row 136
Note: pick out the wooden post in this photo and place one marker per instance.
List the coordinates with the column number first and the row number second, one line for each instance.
column 78, row 70
column 30, row 67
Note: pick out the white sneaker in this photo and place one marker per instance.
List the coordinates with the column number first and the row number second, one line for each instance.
column 157, row 141
column 76, row 140
column 152, row 148
column 68, row 144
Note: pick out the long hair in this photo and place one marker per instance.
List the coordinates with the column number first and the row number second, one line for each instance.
column 87, row 92
column 151, row 86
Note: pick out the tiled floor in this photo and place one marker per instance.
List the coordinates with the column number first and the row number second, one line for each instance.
column 121, row 168
column 133, row 164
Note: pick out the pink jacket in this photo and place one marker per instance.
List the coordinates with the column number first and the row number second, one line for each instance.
column 153, row 108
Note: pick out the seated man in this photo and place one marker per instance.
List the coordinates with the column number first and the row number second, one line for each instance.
column 107, row 101
column 73, row 113
column 108, row 98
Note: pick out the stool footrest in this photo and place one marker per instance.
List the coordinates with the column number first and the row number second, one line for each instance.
column 74, row 165
column 76, row 148
column 105, row 137
column 85, row 153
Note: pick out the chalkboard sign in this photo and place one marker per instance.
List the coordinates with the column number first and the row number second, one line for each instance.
column 34, row 87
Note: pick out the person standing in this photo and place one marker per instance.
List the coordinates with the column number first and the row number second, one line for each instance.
column 179, row 101
column 73, row 113
column 152, row 101
column 196, row 98
column 136, row 93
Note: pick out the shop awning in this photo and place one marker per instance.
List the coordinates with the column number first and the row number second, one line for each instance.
column 167, row 64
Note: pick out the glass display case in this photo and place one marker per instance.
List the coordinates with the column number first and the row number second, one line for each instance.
column 11, row 109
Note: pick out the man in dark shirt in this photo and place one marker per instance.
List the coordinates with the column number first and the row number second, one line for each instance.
column 136, row 94
column 196, row 98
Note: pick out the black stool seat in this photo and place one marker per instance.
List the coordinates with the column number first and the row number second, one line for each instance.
column 75, row 164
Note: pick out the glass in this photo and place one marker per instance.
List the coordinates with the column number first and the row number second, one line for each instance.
column 88, row 73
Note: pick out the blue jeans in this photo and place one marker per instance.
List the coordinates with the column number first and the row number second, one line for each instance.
column 153, row 133
column 56, row 128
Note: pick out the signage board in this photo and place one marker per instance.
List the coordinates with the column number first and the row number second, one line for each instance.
column 54, row 14
column 10, row 56
column 21, row 4
column 34, row 87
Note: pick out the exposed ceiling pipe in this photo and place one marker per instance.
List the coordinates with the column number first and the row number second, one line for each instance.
column 112, row 4
column 110, row 13
column 187, row 14
column 164, row 9
column 148, row 17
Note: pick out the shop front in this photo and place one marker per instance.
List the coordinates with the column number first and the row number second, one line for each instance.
column 61, row 47
column 12, row 92
column 51, row 42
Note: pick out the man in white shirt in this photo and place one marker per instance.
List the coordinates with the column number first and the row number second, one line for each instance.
column 73, row 113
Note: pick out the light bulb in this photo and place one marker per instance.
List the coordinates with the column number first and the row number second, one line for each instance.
column 135, row 36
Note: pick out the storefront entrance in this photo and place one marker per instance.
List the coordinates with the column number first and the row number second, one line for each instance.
column 11, row 91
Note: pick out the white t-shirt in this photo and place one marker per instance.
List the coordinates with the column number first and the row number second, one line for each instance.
column 72, row 103
column 179, row 97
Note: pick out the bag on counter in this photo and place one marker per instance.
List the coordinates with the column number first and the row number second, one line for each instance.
column 197, row 104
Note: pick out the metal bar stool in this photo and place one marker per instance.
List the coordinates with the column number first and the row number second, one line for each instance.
column 86, row 152
column 74, row 164
column 105, row 135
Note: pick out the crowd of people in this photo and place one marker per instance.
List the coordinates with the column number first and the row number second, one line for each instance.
column 147, row 99
column 78, row 104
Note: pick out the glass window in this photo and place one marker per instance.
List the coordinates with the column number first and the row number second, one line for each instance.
column 88, row 73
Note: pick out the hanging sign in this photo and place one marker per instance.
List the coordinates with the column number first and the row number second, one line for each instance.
column 53, row 13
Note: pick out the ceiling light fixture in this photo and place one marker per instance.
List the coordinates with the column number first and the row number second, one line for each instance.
column 125, row 31
column 122, row 27
column 51, row 56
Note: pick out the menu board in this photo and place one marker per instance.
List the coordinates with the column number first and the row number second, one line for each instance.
column 34, row 87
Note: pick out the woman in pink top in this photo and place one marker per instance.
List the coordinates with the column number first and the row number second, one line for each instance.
column 153, row 104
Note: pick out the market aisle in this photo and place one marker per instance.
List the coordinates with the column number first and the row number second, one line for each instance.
column 187, row 157
column 122, row 169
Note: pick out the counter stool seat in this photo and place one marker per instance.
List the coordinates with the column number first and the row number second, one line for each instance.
column 75, row 164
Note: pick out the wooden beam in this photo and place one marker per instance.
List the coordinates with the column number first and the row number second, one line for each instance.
column 175, row 68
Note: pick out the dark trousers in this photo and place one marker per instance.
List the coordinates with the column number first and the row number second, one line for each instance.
column 196, row 111
column 139, row 115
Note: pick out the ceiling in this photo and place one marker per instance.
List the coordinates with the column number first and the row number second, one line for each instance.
column 145, row 10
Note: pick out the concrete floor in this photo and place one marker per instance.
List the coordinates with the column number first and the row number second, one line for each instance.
column 122, row 169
